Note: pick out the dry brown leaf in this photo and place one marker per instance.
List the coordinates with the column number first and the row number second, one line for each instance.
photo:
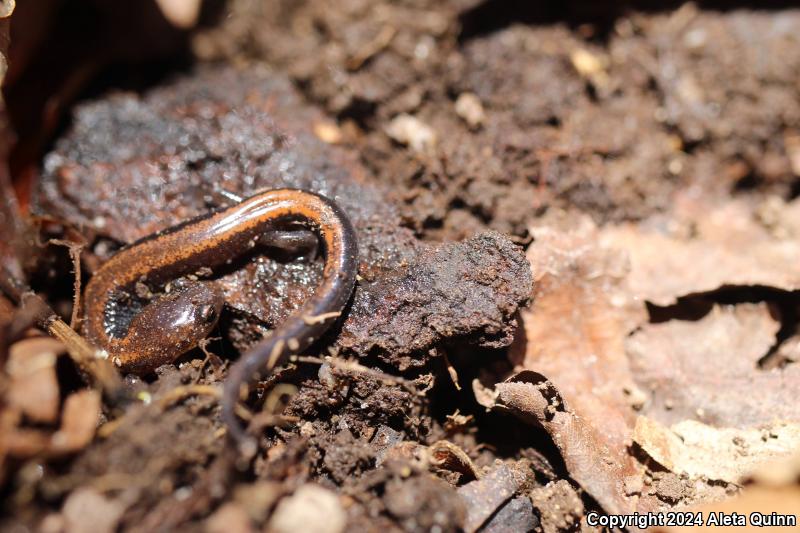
column 79, row 419
column 8, row 421
column 707, row 369
column 788, row 351
column 22, row 442
column 600, row 469
column 575, row 331
column 775, row 489
column 588, row 299
column 448, row 456
column 728, row 246
column 785, row 472
column 33, row 386
column 718, row 454
column 78, row 422
column 574, row 334
column 761, row 500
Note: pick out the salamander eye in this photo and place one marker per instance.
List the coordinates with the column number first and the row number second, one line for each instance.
column 207, row 313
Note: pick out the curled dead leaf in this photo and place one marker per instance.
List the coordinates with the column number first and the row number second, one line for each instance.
column 79, row 419
column 601, row 471
column 78, row 422
column 447, row 455
column 33, row 386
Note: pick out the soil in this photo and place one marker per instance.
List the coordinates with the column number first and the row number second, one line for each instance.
column 447, row 130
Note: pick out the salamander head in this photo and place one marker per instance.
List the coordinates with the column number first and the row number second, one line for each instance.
column 170, row 326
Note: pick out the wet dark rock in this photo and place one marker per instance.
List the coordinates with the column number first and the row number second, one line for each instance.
column 456, row 291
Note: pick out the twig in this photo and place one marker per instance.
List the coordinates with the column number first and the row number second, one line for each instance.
column 317, row 319
column 452, row 371
column 74, row 254
column 179, row 393
column 352, row 366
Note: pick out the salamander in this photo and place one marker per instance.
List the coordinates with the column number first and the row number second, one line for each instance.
column 172, row 324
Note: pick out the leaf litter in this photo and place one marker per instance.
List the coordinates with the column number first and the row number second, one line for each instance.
column 646, row 341
column 658, row 357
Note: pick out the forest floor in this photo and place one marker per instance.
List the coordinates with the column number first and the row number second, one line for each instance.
column 579, row 232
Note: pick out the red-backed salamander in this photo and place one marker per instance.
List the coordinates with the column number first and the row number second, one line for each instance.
column 175, row 323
